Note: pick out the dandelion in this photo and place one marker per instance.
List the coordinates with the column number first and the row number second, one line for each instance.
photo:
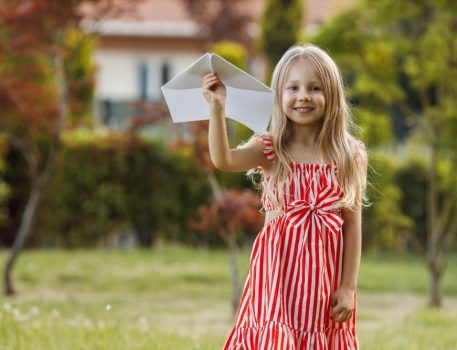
column 88, row 323
column 144, row 323
column 16, row 313
column 108, row 307
column 7, row 307
column 34, row 310
column 19, row 317
column 55, row 313
column 72, row 322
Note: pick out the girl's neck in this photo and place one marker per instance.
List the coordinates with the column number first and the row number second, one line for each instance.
column 306, row 135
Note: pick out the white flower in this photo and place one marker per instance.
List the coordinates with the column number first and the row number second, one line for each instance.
column 34, row 311
column 55, row 313
column 7, row 307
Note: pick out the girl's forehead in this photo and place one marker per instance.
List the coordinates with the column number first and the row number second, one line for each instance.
column 302, row 69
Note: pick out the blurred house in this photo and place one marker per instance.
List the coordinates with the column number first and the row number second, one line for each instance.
column 141, row 50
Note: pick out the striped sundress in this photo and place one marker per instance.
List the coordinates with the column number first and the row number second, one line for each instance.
column 295, row 265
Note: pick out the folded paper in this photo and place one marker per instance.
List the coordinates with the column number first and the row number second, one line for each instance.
column 248, row 101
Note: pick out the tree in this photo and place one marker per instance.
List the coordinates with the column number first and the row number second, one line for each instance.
column 281, row 25
column 401, row 58
column 221, row 19
column 35, row 96
column 234, row 211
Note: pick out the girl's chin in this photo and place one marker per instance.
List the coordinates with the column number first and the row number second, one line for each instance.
column 305, row 121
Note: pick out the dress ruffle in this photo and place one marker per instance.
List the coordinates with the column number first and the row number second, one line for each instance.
column 278, row 336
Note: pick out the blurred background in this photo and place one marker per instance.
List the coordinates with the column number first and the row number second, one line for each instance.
column 117, row 231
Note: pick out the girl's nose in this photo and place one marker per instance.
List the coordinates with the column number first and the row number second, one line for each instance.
column 304, row 96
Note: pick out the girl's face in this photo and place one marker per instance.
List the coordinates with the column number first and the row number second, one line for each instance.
column 303, row 100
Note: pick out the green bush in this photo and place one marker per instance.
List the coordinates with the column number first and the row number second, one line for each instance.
column 385, row 226
column 107, row 185
column 412, row 179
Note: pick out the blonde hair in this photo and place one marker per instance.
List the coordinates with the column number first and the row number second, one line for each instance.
column 335, row 140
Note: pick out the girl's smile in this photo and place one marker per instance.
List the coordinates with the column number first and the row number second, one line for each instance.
column 304, row 110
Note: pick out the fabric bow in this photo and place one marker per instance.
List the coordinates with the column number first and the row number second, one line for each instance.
column 316, row 211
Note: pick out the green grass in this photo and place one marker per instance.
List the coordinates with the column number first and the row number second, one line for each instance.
column 177, row 298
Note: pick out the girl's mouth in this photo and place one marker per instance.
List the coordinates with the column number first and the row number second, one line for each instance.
column 304, row 109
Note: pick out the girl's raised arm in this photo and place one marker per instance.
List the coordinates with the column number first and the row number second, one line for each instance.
column 235, row 160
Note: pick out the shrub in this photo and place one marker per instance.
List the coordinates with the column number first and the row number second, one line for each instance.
column 109, row 184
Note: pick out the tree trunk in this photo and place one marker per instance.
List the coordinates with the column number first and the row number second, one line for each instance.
column 42, row 180
column 434, row 253
column 236, row 293
column 24, row 228
column 436, row 299
column 229, row 238
column 215, row 187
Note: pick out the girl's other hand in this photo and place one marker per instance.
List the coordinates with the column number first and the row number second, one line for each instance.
column 342, row 304
column 213, row 89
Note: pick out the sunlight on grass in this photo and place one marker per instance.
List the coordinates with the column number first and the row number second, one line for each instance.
column 174, row 297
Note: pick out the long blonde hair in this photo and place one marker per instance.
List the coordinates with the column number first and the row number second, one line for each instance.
column 335, row 140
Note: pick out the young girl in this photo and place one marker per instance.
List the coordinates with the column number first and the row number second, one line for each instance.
column 300, row 291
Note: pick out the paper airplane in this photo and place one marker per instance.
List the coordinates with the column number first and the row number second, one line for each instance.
column 248, row 100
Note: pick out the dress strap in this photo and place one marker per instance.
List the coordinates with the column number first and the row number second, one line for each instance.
column 268, row 149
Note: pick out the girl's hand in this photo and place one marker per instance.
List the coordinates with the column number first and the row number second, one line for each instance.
column 213, row 90
column 342, row 304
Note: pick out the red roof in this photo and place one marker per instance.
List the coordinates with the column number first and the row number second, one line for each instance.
column 163, row 14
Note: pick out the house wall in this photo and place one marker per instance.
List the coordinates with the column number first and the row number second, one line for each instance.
column 131, row 70
column 137, row 74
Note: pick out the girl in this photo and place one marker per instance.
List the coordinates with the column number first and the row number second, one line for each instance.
column 300, row 291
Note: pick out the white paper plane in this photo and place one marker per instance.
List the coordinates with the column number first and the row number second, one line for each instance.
column 248, row 100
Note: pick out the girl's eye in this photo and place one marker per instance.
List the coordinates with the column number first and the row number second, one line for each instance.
column 316, row 88
column 293, row 88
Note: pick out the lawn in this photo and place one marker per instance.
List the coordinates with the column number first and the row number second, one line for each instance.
column 176, row 298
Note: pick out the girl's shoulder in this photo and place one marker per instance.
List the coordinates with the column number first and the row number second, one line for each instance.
column 266, row 142
column 257, row 149
column 264, row 145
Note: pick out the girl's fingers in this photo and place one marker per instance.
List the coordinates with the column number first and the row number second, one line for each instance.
column 211, row 84
column 210, row 76
column 341, row 314
column 345, row 316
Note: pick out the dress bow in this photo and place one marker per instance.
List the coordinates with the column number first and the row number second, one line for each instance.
column 316, row 211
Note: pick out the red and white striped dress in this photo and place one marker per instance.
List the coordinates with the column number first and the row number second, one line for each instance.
column 295, row 265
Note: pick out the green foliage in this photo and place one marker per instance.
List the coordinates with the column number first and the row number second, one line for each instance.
column 108, row 184
column 412, row 179
column 80, row 70
column 233, row 52
column 281, row 24
column 385, row 226
column 85, row 197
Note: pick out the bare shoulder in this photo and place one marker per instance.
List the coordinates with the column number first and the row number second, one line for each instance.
column 247, row 156
column 260, row 147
